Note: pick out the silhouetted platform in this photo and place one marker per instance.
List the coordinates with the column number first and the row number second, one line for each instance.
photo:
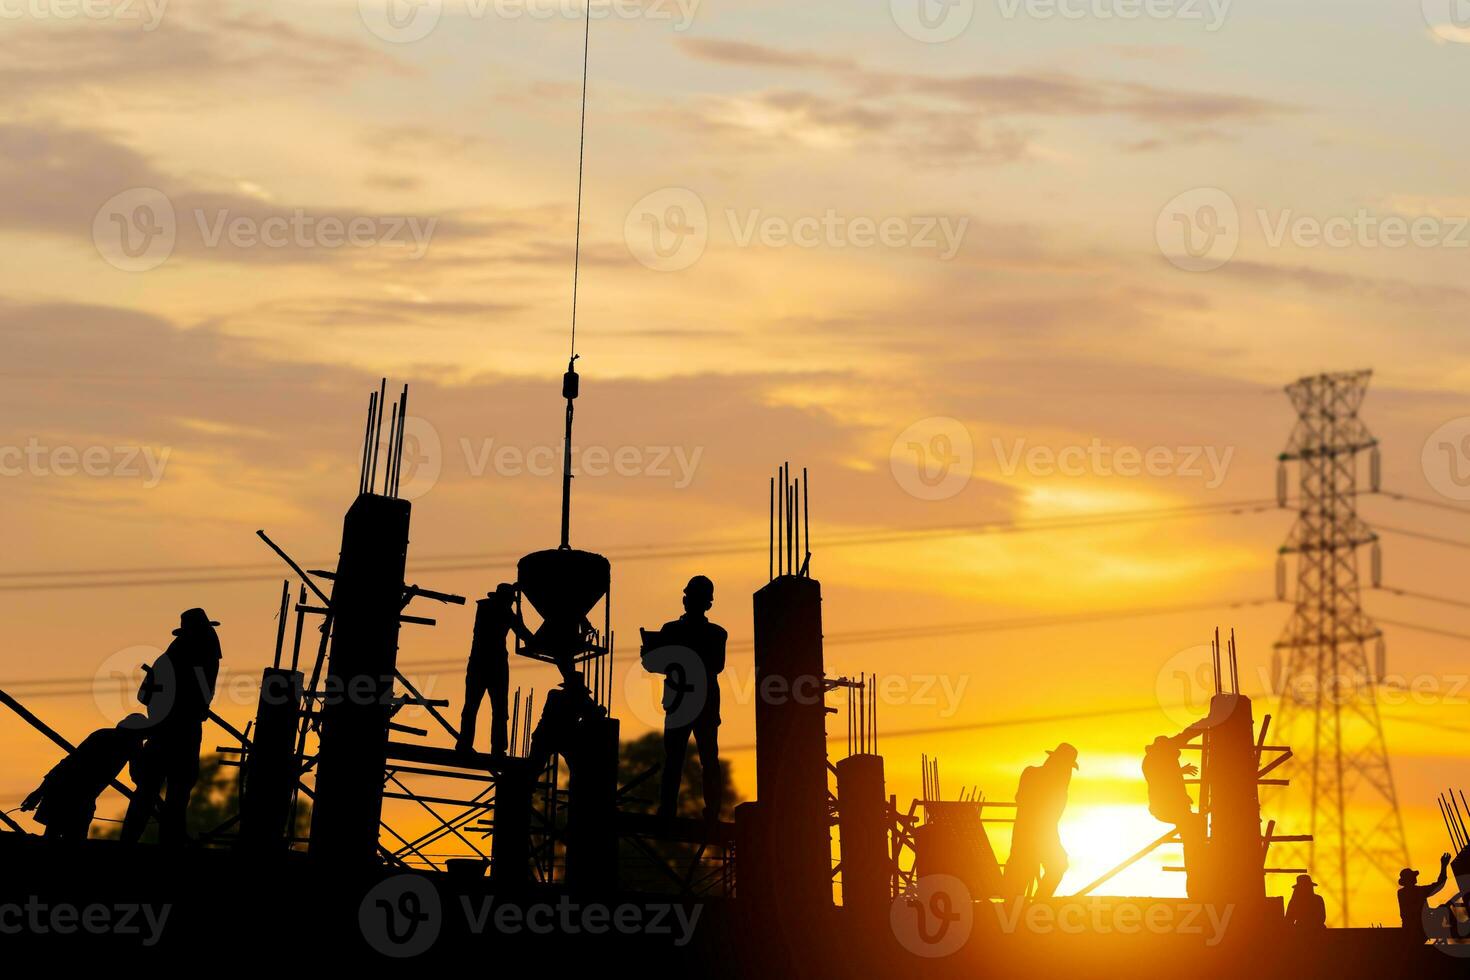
column 682, row 829
column 273, row 912
column 433, row 755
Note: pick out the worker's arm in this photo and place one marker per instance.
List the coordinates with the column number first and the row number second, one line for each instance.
column 527, row 638
column 210, row 675
column 37, row 794
column 1185, row 737
column 1444, row 864
column 717, row 650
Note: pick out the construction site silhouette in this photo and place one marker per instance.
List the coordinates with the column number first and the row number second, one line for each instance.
column 824, row 865
column 579, row 846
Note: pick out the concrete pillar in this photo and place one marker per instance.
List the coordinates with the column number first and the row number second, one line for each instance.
column 862, row 823
column 791, row 737
column 367, row 597
column 269, row 776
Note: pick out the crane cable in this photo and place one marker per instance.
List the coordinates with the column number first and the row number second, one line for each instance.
column 581, row 157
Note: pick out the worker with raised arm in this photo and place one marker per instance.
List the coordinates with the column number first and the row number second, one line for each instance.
column 488, row 670
column 1415, row 915
column 1168, row 795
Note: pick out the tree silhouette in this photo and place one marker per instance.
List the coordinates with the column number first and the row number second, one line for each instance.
column 638, row 866
column 215, row 800
column 647, row 751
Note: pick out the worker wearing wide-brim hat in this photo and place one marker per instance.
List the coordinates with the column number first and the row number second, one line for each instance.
column 1037, row 857
column 1306, row 910
column 1064, row 753
column 177, row 692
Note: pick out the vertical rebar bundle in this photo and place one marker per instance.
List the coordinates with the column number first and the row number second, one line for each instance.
column 930, row 773
column 372, row 442
column 790, row 537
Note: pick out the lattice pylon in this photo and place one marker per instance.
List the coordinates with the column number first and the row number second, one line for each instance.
column 1328, row 711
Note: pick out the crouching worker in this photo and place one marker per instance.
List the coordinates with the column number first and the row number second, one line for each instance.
column 67, row 798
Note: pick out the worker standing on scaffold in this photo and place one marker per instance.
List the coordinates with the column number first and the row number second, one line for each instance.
column 690, row 653
column 1037, row 856
column 488, row 670
column 177, row 693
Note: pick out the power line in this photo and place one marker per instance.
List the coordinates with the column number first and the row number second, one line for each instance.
column 1410, row 594
column 1423, row 629
column 1422, row 536
column 1425, row 502
column 472, row 561
column 969, row 726
column 848, row 638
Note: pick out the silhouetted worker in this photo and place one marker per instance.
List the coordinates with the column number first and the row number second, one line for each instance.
column 1306, row 910
column 1414, row 911
column 177, row 692
column 67, row 798
column 692, row 631
column 1168, row 797
column 1036, row 842
column 488, row 670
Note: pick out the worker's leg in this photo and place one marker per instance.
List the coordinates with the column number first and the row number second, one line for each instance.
column 707, row 740
column 149, row 776
column 183, row 773
column 1054, row 860
column 474, row 692
column 499, row 685
column 76, row 823
column 84, row 820
column 676, row 743
column 1022, row 867
column 1192, row 835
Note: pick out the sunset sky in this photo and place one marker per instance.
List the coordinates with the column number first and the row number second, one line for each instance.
column 812, row 232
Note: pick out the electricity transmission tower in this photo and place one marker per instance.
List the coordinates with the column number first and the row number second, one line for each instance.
column 1329, row 711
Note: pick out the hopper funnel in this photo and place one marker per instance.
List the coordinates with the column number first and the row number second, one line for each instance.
column 562, row 585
